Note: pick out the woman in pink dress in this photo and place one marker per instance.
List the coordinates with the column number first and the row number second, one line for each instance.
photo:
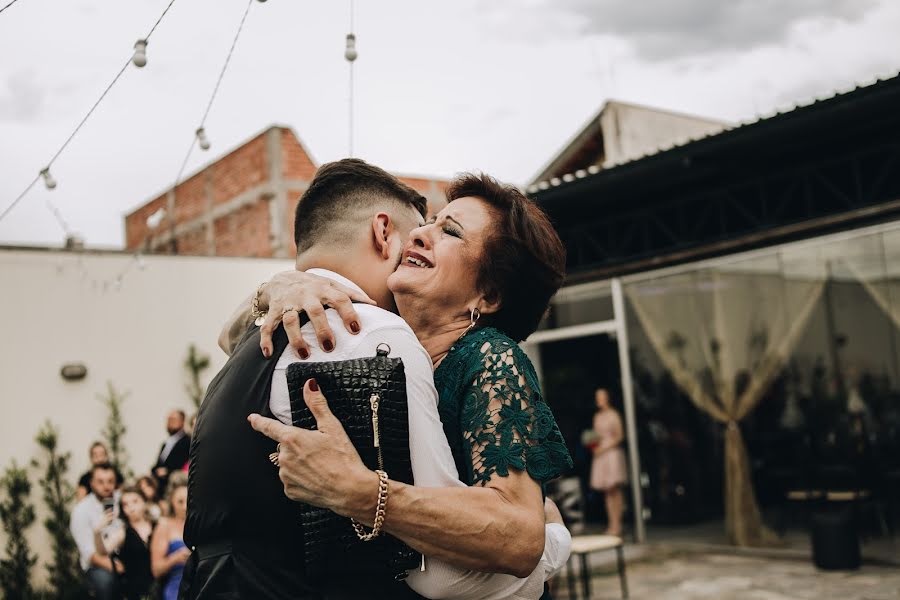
column 608, row 473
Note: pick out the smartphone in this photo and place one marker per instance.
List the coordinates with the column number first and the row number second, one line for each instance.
column 108, row 503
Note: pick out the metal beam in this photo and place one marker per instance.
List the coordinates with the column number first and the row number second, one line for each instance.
column 631, row 437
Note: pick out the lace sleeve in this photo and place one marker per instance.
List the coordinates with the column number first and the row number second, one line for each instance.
column 506, row 423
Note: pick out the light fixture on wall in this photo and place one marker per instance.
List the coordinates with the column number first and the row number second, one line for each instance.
column 73, row 371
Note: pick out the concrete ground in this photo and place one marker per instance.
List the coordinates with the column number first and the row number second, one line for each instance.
column 662, row 573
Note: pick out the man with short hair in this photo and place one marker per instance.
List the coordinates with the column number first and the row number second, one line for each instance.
column 174, row 452
column 99, row 455
column 86, row 518
column 351, row 226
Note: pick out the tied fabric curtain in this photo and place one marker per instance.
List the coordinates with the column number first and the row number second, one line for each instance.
column 724, row 335
column 884, row 290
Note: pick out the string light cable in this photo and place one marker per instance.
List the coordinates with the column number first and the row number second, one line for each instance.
column 156, row 219
column 139, row 58
column 350, row 55
column 200, row 134
column 8, row 5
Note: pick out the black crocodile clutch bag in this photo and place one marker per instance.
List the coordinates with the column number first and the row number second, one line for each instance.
column 331, row 546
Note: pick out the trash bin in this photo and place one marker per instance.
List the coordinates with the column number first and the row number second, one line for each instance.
column 835, row 542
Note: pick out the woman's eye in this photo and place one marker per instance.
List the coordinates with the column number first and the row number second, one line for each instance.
column 452, row 231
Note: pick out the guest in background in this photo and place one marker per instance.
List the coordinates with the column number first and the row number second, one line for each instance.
column 608, row 473
column 128, row 545
column 86, row 516
column 150, row 490
column 168, row 552
column 174, row 452
column 99, row 456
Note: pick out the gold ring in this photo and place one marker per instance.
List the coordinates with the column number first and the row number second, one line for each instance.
column 278, row 447
column 288, row 309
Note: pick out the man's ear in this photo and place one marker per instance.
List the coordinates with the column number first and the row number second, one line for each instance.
column 382, row 229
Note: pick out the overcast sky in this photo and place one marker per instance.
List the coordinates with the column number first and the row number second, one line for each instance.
column 441, row 87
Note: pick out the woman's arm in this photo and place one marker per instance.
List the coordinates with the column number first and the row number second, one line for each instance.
column 307, row 292
column 496, row 528
column 160, row 564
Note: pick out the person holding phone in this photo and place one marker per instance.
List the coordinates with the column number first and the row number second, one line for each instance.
column 86, row 518
column 124, row 535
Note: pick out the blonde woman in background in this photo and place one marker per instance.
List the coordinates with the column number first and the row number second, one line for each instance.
column 608, row 474
column 168, row 552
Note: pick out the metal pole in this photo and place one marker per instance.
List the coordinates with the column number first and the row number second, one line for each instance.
column 634, row 459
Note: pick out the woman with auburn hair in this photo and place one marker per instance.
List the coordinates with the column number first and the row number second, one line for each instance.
column 472, row 282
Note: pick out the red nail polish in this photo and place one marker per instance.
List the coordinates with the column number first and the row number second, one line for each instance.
column 304, row 353
column 327, row 345
column 354, row 327
column 313, row 386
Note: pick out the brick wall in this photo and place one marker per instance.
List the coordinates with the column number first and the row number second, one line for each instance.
column 244, row 232
column 227, row 208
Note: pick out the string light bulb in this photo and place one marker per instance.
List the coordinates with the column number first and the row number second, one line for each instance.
column 156, row 218
column 350, row 52
column 140, row 53
column 202, row 139
column 49, row 181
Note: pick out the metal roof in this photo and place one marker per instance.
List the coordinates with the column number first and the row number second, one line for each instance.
column 541, row 186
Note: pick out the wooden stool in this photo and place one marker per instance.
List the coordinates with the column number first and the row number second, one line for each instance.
column 584, row 545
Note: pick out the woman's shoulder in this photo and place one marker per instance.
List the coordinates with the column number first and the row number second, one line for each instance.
column 487, row 344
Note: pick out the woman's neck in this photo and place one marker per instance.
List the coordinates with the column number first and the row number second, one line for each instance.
column 436, row 336
column 138, row 522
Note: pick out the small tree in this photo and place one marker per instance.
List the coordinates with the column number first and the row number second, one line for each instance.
column 64, row 570
column 115, row 430
column 195, row 363
column 17, row 515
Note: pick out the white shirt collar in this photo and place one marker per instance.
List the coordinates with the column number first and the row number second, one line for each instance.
column 335, row 277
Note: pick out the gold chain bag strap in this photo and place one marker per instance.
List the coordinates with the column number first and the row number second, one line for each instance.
column 368, row 397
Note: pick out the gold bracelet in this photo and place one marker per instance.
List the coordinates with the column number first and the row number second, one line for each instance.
column 259, row 316
column 379, row 511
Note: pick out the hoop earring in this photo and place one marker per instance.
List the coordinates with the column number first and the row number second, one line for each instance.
column 474, row 315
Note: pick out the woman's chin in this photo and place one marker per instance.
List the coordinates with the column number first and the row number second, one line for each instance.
column 404, row 278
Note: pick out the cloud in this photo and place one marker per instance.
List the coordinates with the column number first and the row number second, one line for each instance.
column 23, row 99
column 663, row 29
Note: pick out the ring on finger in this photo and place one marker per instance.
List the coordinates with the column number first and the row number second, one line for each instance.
column 288, row 309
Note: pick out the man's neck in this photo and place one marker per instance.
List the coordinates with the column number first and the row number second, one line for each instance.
column 359, row 272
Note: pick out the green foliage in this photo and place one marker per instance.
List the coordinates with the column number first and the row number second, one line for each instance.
column 17, row 515
column 195, row 363
column 64, row 570
column 115, row 430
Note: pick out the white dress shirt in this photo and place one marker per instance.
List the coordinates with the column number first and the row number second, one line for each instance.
column 86, row 515
column 432, row 461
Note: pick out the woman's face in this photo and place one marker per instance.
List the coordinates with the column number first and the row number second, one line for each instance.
column 147, row 488
column 133, row 506
column 602, row 398
column 440, row 260
column 179, row 502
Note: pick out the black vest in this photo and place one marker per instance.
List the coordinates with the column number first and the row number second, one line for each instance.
column 246, row 533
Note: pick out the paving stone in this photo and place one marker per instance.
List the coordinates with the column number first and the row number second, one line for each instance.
column 721, row 576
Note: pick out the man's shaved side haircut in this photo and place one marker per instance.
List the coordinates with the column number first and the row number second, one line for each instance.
column 341, row 193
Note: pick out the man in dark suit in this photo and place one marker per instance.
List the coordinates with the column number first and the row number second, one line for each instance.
column 174, row 452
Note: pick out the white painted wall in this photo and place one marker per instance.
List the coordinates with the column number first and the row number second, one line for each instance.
column 52, row 313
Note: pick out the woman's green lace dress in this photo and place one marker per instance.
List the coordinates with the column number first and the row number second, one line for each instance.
column 493, row 413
